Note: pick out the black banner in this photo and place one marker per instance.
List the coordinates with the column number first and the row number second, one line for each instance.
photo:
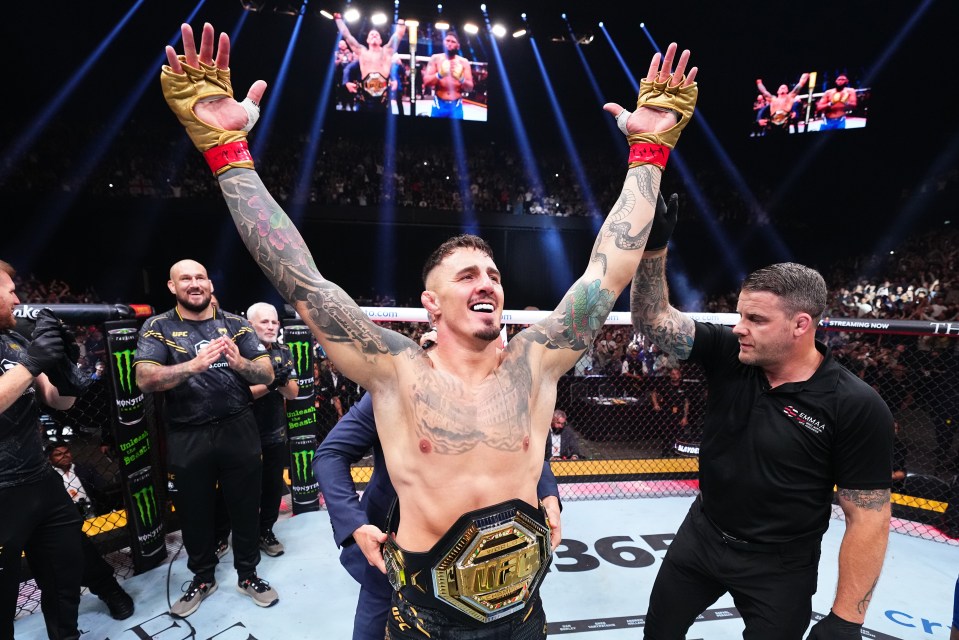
column 301, row 421
column 134, row 445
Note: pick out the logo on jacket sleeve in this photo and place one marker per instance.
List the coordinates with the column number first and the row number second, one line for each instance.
column 804, row 420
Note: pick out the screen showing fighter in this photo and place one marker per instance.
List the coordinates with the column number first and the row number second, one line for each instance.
column 418, row 71
column 809, row 102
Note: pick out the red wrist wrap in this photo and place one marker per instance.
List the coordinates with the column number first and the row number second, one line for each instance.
column 224, row 156
column 647, row 153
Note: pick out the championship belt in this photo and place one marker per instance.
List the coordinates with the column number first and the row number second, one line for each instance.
column 487, row 566
column 780, row 118
column 375, row 85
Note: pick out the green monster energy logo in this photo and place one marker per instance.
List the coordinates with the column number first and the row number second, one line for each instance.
column 146, row 505
column 125, row 369
column 301, row 356
column 301, row 464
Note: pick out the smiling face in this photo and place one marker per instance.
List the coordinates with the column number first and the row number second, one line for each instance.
column 191, row 285
column 465, row 294
column 764, row 330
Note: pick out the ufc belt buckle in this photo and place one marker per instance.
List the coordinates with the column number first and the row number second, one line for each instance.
column 780, row 117
column 492, row 569
column 374, row 84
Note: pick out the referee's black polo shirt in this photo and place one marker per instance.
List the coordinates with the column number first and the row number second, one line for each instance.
column 770, row 457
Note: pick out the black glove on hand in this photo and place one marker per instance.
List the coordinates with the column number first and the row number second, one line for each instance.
column 47, row 346
column 664, row 221
column 832, row 627
column 64, row 374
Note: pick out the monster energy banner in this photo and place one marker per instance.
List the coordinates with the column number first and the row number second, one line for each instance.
column 301, row 421
column 144, row 513
column 134, row 443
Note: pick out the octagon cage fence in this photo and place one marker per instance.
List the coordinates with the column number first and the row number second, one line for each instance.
column 631, row 436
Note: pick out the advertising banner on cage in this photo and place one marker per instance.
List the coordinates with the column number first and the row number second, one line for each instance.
column 121, row 346
column 135, row 450
column 301, row 421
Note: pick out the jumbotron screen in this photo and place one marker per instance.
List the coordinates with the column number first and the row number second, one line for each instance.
column 809, row 102
column 427, row 72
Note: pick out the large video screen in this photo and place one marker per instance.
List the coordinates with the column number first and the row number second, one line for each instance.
column 427, row 73
column 809, row 102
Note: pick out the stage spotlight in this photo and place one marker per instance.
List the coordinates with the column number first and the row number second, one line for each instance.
column 483, row 8
column 601, row 25
column 326, row 14
column 378, row 19
column 412, row 24
column 351, row 15
column 498, row 30
column 442, row 25
column 519, row 34
column 563, row 16
column 439, row 7
column 642, row 25
column 523, row 16
column 470, row 28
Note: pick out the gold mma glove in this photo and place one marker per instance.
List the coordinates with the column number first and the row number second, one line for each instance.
column 222, row 149
column 653, row 147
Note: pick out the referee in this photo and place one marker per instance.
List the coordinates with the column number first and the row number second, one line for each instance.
column 204, row 361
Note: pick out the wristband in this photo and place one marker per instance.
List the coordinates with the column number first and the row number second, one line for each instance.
column 227, row 156
column 648, row 153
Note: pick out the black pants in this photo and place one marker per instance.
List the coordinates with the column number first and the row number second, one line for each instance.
column 227, row 452
column 97, row 573
column 40, row 519
column 276, row 456
column 772, row 590
column 420, row 623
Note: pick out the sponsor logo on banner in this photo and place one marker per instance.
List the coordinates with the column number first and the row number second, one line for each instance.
column 305, row 488
column 129, row 399
column 146, row 515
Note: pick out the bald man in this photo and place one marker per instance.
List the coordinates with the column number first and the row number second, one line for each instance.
column 450, row 75
column 203, row 361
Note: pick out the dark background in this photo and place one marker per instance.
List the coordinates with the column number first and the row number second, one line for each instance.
column 828, row 196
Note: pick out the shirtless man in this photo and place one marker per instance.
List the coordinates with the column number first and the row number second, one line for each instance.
column 781, row 115
column 451, row 76
column 464, row 424
column 835, row 103
column 375, row 62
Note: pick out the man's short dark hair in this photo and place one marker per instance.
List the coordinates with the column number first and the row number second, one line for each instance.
column 462, row 241
column 801, row 288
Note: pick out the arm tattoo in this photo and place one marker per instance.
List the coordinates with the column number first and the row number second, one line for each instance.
column 282, row 254
column 871, row 499
column 254, row 372
column 617, row 222
column 586, row 307
column 653, row 316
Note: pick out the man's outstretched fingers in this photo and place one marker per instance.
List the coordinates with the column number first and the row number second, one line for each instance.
column 256, row 92
column 173, row 60
column 677, row 77
column 189, row 46
column 206, row 44
column 653, row 67
column 223, row 52
column 666, row 69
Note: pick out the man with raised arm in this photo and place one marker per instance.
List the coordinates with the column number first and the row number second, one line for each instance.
column 781, row 115
column 784, row 424
column 451, row 75
column 376, row 61
column 463, row 425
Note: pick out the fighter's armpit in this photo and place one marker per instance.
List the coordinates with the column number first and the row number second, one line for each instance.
column 870, row 499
